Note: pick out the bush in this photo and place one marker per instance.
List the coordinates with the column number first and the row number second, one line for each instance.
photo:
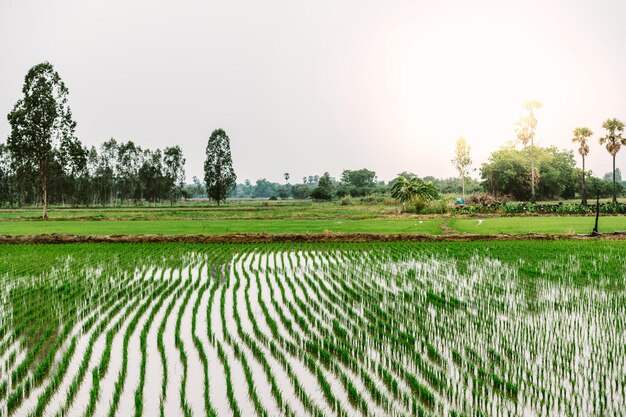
column 346, row 201
column 439, row 206
column 321, row 193
column 415, row 206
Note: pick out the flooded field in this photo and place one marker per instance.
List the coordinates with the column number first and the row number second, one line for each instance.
column 386, row 329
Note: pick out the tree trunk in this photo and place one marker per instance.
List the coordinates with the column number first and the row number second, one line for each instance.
column 584, row 193
column 463, row 186
column 614, row 189
column 44, row 188
column 532, row 170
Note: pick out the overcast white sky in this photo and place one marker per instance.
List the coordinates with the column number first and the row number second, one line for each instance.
column 313, row 86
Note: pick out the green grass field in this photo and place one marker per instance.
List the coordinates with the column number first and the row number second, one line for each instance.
column 281, row 217
column 551, row 224
column 208, row 227
column 490, row 225
column 193, row 211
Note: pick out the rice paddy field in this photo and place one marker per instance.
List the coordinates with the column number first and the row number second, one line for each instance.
column 521, row 328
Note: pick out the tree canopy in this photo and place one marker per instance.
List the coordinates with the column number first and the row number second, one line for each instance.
column 42, row 128
column 507, row 172
column 219, row 175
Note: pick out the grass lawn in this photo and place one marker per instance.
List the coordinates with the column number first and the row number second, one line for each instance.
column 192, row 211
column 512, row 225
column 206, row 227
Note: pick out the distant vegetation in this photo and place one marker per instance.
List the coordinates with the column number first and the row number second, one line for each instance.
column 44, row 162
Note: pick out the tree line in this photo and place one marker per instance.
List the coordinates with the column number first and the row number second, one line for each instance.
column 44, row 162
column 114, row 173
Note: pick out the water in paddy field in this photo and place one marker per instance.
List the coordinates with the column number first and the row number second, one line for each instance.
column 381, row 330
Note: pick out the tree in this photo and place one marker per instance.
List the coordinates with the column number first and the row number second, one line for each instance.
column 264, row 189
column 462, row 160
column 324, row 190
column 286, row 176
column 581, row 134
column 152, row 181
column 506, row 172
column 7, row 177
column 41, row 124
column 128, row 162
column 174, row 170
column 525, row 128
column 357, row 183
column 300, row 191
column 219, row 174
column 409, row 190
column 613, row 142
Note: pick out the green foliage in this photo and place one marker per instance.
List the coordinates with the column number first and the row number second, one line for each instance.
column 357, row 183
column 42, row 128
column 507, row 172
column 402, row 328
column 219, row 175
column 414, row 192
column 324, row 189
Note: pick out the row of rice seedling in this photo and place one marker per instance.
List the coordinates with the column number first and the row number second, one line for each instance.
column 395, row 329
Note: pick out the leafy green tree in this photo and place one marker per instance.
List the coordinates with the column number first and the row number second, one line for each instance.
column 603, row 187
column 462, row 160
column 219, row 174
column 324, row 189
column 506, row 172
column 174, row 165
column 7, row 177
column 300, row 191
column 409, row 190
column 283, row 192
column 557, row 170
column 358, row 182
column 129, row 160
column 286, row 176
column 152, row 181
column 106, row 174
column 613, row 142
column 525, row 128
column 264, row 189
column 581, row 135
column 198, row 189
column 41, row 124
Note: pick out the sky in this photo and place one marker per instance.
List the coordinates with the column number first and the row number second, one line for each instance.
column 311, row 86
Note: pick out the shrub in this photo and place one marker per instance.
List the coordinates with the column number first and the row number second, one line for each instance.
column 346, row 201
column 415, row 206
column 439, row 206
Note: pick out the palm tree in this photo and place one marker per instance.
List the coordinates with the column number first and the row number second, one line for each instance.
column 407, row 190
column 525, row 129
column 613, row 141
column 580, row 136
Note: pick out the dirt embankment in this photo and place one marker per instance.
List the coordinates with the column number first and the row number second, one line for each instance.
column 296, row 238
